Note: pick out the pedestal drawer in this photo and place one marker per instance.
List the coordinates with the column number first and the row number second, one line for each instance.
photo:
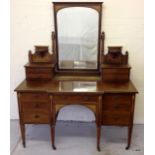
column 115, row 102
column 30, row 97
column 35, row 107
column 35, row 117
column 115, row 118
column 116, row 109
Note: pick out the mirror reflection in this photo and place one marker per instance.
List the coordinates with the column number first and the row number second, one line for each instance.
column 77, row 38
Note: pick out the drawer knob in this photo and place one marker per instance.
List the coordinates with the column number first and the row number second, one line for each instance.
column 36, row 116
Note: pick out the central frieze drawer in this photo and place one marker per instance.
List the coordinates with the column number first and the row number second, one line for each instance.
column 74, row 98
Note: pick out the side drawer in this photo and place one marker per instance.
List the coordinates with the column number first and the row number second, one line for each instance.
column 115, row 74
column 39, row 73
column 35, row 117
column 117, row 98
column 38, row 70
column 35, row 106
column 116, row 106
column 30, row 97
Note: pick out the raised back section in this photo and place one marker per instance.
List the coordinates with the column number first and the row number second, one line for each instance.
column 114, row 67
column 41, row 55
column 41, row 64
column 115, row 56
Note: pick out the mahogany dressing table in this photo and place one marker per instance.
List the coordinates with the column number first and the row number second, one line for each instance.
column 98, row 81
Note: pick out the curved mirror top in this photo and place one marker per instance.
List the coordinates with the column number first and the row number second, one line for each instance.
column 78, row 38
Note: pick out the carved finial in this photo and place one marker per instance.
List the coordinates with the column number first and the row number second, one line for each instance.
column 102, row 43
column 53, row 35
column 127, row 56
column 30, row 56
column 53, row 43
column 102, row 35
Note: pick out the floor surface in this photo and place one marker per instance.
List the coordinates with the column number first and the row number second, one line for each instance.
column 75, row 138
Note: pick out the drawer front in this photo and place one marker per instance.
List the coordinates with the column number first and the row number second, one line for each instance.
column 117, row 102
column 35, row 117
column 39, row 76
column 121, row 98
column 112, row 106
column 115, row 74
column 38, row 70
column 109, row 118
column 39, row 73
column 115, row 71
column 115, row 77
column 59, row 99
column 35, row 106
column 30, row 97
column 116, row 109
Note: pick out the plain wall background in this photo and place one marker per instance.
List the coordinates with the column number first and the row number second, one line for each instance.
column 32, row 24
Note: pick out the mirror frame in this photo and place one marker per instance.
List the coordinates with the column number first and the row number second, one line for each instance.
column 94, row 5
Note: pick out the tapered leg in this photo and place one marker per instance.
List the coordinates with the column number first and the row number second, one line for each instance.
column 53, row 136
column 98, row 137
column 22, row 128
column 129, row 136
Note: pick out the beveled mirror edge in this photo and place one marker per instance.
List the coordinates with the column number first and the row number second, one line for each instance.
column 94, row 5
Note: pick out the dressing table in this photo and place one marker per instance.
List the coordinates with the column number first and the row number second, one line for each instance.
column 77, row 71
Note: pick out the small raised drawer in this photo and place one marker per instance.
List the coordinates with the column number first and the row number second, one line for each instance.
column 113, row 74
column 39, row 73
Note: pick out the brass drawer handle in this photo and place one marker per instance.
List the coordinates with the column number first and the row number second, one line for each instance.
column 36, row 116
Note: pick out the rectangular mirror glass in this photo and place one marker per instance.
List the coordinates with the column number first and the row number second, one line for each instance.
column 77, row 38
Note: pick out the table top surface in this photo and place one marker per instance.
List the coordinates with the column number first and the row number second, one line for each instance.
column 91, row 85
